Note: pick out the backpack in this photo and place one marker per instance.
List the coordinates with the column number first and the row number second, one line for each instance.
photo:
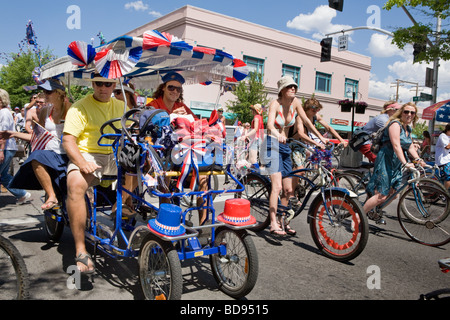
column 359, row 138
column 152, row 124
column 377, row 138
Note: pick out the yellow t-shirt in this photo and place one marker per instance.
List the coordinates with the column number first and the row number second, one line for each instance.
column 85, row 118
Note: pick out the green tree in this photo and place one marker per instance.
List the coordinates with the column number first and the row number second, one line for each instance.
column 420, row 32
column 249, row 92
column 19, row 73
column 419, row 128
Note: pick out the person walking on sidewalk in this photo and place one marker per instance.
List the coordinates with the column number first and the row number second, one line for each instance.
column 8, row 149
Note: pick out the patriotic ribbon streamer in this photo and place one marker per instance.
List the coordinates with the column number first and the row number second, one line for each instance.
column 189, row 154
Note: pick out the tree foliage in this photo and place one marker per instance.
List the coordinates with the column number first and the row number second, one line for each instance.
column 422, row 31
column 19, row 73
column 248, row 93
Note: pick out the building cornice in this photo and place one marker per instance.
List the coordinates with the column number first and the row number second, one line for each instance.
column 189, row 21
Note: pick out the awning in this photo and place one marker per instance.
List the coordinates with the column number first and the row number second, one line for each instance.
column 340, row 127
column 206, row 113
column 440, row 110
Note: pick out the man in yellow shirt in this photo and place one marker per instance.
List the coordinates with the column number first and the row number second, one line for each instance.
column 88, row 161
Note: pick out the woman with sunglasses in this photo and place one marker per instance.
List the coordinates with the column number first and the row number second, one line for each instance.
column 46, row 166
column 128, row 88
column 396, row 141
column 169, row 95
column 284, row 113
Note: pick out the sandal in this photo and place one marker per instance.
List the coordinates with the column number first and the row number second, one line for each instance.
column 278, row 232
column 84, row 259
column 290, row 231
column 49, row 205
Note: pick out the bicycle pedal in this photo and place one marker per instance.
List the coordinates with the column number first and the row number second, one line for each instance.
column 289, row 215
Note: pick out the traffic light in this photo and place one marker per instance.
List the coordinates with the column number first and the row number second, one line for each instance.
column 418, row 49
column 336, row 4
column 326, row 49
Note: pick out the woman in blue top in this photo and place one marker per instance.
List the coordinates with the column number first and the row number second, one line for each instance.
column 397, row 140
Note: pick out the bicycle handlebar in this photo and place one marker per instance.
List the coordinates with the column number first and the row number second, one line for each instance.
column 308, row 147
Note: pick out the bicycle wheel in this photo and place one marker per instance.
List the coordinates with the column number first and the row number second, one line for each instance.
column 257, row 191
column 442, row 294
column 236, row 272
column 422, row 213
column 342, row 233
column 353, row 181
column 160, row 270
column 14, row 280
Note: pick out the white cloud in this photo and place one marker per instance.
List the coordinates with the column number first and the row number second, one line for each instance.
column 137, row 6
column 318, row 23
column 380, row 46
column 155, row 14
column 141, row 6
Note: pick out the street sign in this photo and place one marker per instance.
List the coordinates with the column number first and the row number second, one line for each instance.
column 343, row 43
column 423, row 97
column 426, row 96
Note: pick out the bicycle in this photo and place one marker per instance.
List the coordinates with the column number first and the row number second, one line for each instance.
column 14, row 279
column 441, row 294
column 337, row 223
column 422, row 208
column 232, row 253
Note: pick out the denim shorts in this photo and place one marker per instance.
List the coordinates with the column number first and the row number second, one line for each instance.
column 276, row 157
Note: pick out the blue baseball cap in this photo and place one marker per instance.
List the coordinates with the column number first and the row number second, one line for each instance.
column 52, row 85
column 173, row 76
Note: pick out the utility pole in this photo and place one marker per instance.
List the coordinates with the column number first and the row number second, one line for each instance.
column 399, row 83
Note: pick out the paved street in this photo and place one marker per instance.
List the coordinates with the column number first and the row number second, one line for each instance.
column 289, row 268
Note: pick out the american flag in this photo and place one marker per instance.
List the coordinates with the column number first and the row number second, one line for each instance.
column 40, row 137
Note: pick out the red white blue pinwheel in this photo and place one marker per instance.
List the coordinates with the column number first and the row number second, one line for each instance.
column 240, row 71
column 115, row 63
column 81, row 53
column 154, row 39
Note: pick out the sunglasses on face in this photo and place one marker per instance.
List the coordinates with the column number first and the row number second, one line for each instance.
column 101, row 84
column 117, row 92
column 291, row 87
column 173, row 88
column 407, row 112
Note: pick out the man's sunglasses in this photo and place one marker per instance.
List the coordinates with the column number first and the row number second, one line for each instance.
column 106, row 84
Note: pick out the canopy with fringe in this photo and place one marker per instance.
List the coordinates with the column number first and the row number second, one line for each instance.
column 143, row 60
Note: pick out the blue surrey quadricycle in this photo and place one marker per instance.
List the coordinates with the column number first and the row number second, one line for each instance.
column 163, row 235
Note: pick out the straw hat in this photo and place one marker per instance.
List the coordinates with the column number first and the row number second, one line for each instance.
column 98, row 78
column 257, row 108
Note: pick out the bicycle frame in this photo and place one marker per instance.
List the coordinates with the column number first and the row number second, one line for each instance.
column 417, row 197
column 193, row 249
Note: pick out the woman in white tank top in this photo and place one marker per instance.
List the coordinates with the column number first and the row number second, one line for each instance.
column 48, row 162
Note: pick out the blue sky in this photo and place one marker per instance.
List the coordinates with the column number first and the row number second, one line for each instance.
column 310, row 19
